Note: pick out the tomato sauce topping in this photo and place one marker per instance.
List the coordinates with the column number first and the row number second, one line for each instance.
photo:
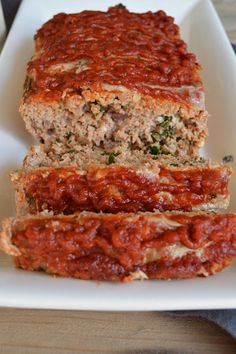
column 138, row 51
column 116, row 189
column 111, row 246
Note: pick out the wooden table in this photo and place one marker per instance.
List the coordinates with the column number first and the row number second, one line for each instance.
column 49, row 332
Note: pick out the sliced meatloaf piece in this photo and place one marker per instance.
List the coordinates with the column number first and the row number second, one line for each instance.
column 92, row 181
column 117, row 80
column 122, row 247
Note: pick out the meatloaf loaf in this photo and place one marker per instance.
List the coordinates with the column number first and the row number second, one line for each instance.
column 122, row 247
column 93, row 181
column 115, row 79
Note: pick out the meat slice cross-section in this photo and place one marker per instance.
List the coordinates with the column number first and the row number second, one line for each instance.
column 122, row 247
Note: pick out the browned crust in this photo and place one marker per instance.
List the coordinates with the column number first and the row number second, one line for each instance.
column 210, row 268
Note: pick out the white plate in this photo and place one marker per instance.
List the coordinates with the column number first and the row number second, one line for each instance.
column 203, row 31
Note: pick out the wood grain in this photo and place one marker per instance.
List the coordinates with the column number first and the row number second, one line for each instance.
column 65, row 332
column 37, row 331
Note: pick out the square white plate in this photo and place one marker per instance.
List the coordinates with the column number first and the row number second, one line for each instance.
column 205, row 36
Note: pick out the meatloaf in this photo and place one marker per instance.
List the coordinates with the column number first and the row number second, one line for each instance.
column 122, row 247
column 116, row 80
column 93, row 181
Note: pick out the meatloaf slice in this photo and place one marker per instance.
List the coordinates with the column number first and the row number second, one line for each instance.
column 117, row 80
column 92, row 181
column 122, row 247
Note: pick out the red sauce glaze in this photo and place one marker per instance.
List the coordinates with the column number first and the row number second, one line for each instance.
column 60, row 191
column 116, row 189
column 122, row 48
column 110, row 247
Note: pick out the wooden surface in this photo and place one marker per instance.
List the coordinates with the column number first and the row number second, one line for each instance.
column 65, row 332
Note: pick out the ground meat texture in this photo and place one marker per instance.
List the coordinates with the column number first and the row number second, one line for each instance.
column 109, row 91
column 118, row 188
column 122, row 247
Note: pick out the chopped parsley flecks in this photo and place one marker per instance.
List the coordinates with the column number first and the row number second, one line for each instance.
column 111, row 157
column 156, row 137
column 164, row 129
column 125, row 107
column 68, row 135
column 173, row 154
column 154, row 150
column 30, row 199
column 166, row 119
column 103, row 108
column 168, row 132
